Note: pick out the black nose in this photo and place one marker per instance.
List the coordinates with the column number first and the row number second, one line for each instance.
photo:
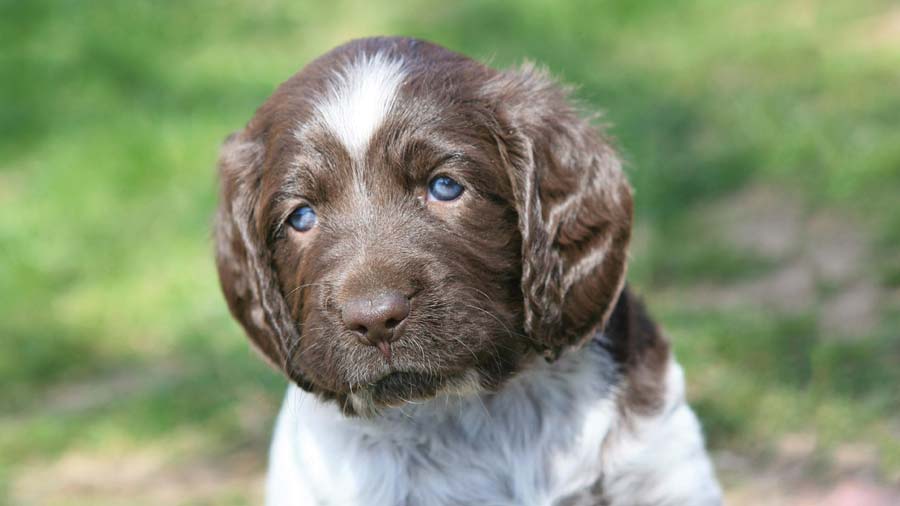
column 375, row 318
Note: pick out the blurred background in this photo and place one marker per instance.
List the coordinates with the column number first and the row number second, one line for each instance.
column 762, row 137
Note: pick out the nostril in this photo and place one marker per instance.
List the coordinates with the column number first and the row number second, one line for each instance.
column 360, row 329
column 391, row 323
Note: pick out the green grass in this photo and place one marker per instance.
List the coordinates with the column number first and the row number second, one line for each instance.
column 113, row 335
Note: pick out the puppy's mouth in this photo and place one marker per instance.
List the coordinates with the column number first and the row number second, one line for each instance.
column 398, row 388
column 404, row 386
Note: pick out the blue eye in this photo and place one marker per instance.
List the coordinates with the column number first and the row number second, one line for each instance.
column 444, row 189
column 302, row 219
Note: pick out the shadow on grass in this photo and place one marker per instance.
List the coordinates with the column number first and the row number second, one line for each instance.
column 197, row 388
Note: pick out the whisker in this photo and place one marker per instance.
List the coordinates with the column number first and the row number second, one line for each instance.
column 479, row 292
column 505, row 327
column 306, row 285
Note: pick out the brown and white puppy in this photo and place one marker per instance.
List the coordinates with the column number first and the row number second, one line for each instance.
column 434, row 252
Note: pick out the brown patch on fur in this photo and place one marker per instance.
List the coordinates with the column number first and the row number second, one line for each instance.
column 642, row 351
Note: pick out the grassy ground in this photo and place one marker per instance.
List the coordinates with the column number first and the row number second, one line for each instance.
column 763, row 139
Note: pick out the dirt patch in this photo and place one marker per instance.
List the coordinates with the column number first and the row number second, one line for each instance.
column 790, row 289
column 792, row 479
column 881, row 31
column 141, row 477
column 773, row 490
column 185, row 467
column 836, row 247
column 762, row 219
column 823, row 260
column 851, row 313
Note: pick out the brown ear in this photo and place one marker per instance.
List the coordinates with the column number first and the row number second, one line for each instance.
column 574, row 208
column 243, row 261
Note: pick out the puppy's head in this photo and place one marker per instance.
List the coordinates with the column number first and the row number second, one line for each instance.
column 398, row 220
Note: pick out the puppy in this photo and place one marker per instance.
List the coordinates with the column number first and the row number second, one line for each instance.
column 434, row 253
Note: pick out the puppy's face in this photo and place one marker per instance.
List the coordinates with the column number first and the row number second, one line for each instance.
column 398, row 220
column 398, row 257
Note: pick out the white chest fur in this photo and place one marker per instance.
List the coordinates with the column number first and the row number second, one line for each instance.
column 543, row 437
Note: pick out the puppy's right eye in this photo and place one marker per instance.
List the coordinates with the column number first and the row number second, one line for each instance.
column 302, row 219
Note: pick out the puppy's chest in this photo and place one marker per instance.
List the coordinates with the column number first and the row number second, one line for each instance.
column 528, row 449
column 518, row 468
column 446, row 466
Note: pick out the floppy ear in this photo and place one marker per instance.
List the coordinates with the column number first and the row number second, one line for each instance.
column 574, row 208
column 242, row 258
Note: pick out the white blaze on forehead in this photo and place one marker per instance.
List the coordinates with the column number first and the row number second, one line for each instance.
column 361, row 95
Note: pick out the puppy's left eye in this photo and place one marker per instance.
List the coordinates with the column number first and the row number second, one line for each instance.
column 302, row 219
column 444, row 189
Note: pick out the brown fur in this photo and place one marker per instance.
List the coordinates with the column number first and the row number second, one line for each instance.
column 530, row 260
